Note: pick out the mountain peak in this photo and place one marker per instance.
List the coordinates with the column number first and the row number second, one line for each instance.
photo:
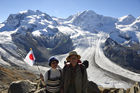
column 88, row 12
column 82, row 14
column 138, row 18
column 28, row 19
column 26, row 11
column 31, row 12
column 125, row 20
column 23, row 14
column 89, row 20
column 126, row 17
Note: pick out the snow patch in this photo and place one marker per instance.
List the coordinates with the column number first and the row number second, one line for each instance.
column 2, row 25
column 5, row 36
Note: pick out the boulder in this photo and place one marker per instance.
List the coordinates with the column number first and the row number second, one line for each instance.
column 22, row 86
column 92, row 87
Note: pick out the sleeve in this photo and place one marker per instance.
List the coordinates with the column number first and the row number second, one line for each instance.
column 85, row 82
column 46, row 77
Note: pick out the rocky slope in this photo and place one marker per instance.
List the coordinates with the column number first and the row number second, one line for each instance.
column 10, row 74
column 127, row 57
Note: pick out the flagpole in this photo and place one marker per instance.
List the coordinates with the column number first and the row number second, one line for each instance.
column 40, row 74
column 38, row 68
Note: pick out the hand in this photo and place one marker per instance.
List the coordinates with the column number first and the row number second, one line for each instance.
column 41, row 77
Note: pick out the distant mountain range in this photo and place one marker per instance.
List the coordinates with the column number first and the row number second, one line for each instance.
column 40, row 31
column 49, row 36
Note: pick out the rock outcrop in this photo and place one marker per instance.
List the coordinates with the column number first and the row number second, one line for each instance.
column 126, row 57
column 26, row 86
column 43, row 46
column 23, row 86
column 134, row 89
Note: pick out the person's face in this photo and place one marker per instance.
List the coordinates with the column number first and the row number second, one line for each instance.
column 73, row 60
column 54, row 64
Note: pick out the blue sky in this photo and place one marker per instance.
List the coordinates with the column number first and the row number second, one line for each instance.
column 65, row 8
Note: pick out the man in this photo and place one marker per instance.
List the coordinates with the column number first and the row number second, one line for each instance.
column 74, row 75
column 53, row 77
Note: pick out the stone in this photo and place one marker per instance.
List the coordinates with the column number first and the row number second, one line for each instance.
column 22, row 86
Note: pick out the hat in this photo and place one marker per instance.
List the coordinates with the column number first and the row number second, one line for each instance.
column 73, row 53
column 51, row 59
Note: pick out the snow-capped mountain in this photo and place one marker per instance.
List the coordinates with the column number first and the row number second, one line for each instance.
column 90, row 21
column 126, row 20
column 128, row 29
column 86, row 32
column 123, row 45
column 34, row 29
column 28, row 19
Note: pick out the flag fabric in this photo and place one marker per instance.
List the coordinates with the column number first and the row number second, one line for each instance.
column 30, row 58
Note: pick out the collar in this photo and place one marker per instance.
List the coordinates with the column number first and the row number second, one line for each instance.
column 53, row 69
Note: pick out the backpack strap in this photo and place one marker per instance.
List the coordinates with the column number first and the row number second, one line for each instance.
column 82, row 67
column 49, row 73
column 60, row 73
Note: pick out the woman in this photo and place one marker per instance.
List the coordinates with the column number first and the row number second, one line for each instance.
column 53, row 77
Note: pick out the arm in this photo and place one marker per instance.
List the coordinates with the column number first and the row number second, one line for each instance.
column 41, row 77
column 42, row 80
column 45, row 77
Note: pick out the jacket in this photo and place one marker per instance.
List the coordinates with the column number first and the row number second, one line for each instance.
column 79, row 79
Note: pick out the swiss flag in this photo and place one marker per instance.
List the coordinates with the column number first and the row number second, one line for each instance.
column 30, row 58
